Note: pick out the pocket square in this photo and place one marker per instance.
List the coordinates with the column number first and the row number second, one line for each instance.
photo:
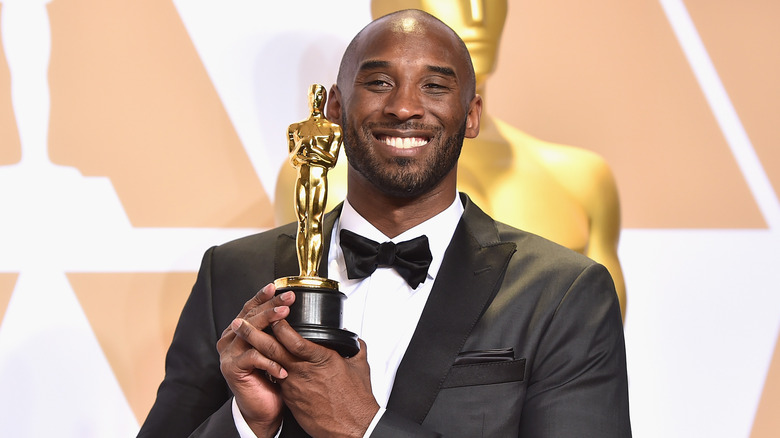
column 485, row 373
column 485, row 356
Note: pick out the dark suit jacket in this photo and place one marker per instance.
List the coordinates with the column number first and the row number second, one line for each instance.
column 552, row 315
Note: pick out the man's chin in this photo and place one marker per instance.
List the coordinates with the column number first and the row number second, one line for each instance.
column 404, row 188
column 404, row 162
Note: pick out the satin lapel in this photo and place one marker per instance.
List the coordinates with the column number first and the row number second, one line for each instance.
column 286, row 257
column 327, row 231
column 467, row 281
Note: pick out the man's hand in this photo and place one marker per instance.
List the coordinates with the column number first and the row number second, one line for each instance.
column 330, row 396
column 246, row 370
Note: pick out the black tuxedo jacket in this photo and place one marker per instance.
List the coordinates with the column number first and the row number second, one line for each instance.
column 519, row 337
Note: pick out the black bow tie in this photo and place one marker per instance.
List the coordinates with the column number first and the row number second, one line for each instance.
column 410, row 259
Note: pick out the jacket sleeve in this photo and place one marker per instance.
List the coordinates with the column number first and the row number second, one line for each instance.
column 219, row 424
column 578, row 384
column 193, row 388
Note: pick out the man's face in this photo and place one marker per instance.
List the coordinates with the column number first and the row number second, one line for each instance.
column 405, row 112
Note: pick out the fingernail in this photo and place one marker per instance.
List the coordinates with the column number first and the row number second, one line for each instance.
column 236, row 324
column 282, row 373
column 287, row 295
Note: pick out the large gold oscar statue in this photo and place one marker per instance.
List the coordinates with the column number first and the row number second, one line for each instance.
column 563, row 193
column 314, row 146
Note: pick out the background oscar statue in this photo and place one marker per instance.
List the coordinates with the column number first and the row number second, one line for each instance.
column 314, row 147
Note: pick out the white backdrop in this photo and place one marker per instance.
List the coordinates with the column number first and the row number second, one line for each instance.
column 703, row 309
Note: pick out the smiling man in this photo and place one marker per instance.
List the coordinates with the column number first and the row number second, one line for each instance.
column 503, row 333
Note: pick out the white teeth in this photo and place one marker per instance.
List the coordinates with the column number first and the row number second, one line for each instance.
column 405, row 142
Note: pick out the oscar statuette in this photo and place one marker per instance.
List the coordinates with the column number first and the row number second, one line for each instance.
column 317, row 312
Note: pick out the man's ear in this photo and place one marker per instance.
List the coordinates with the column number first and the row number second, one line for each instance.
column 333, row 105
column 473, row 116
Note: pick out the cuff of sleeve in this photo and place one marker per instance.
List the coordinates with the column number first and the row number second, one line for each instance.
column 244, row 431
column 373, row 424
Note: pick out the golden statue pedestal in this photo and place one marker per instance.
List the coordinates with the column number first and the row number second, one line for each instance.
column 317, row 312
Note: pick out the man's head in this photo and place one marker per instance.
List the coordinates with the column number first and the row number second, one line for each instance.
column 405, row 98
column 478, row 23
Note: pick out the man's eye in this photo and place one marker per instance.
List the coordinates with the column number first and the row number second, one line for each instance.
column 435, row 88
column 377, row 83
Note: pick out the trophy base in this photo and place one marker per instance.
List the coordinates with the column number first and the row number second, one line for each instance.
column 316, row 313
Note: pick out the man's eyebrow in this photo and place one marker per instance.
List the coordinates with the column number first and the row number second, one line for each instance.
column 446, row 71
column 373, row 64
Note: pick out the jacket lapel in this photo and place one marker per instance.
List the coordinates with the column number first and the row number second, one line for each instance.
column 469, row 278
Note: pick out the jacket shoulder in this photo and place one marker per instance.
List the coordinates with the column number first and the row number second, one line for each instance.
column 542, row 250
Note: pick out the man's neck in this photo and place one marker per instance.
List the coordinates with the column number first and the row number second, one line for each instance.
column 392, row 215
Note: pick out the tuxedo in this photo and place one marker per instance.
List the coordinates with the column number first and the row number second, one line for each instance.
column 519, row 337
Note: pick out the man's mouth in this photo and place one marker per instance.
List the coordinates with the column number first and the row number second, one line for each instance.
column 403, row 142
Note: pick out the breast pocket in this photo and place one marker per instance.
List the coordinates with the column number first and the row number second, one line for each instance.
column 482, row 399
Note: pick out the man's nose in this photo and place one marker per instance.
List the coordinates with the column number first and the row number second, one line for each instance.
column 405, row 103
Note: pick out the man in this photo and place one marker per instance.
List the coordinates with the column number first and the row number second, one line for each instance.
column 563, row 193
column 507, row 335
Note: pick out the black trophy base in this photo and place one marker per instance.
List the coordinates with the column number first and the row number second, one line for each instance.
column 316, row 313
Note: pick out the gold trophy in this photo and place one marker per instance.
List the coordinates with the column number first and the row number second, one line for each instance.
column 317, row 312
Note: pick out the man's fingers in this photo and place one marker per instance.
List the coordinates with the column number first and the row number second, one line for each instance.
column 265, row 294
column 261, row 310
column 249, row 361
column 297, row 345
column 274, row 310
column 265, row 344
column 362, row 354
column 260, row 317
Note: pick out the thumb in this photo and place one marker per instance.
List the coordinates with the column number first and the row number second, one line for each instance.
column 362, row 354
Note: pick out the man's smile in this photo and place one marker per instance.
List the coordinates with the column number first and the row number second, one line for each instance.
column 403, row 142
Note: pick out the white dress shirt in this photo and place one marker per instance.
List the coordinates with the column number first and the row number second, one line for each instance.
column 382, row 309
